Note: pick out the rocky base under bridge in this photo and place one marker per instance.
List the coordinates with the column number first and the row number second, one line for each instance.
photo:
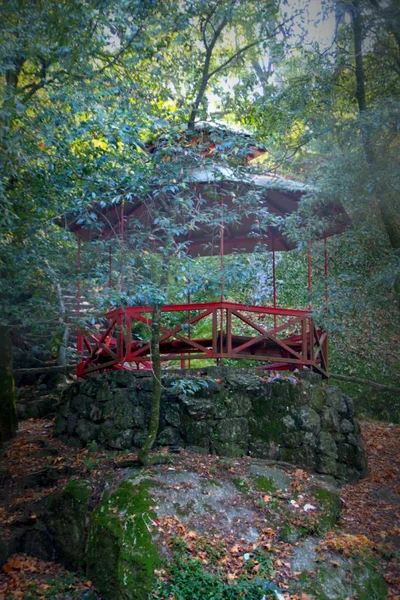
column 297, row 420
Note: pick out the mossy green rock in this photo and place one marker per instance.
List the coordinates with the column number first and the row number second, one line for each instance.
column 67, row 513
column 121, row 555
column 353, row 578
column 330, row 504
column 269, row 479
column 337, row 577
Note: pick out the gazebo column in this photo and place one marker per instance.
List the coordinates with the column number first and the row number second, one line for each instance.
column 222, row 283
column 122, row 232
column 309, row 275
column 326, row 273
column 189, row 300
column 79, row 337
column 110, row 259
column 221, row 251
column 273, row 274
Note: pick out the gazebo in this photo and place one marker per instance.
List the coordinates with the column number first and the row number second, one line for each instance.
column 277, row 338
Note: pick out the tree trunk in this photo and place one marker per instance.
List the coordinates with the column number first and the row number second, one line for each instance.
column 157, row 387
column 8, row 410
column 360, row 75
column 389, row 216
column 62, row 349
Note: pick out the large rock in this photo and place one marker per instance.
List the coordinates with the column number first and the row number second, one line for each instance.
column 336, row 577
column 66, row 521
column 121, row 555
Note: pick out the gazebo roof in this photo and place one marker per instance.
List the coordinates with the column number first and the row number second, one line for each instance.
column 271, row 194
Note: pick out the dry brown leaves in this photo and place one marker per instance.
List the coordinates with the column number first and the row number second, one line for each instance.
column 22, row 574
column 372, row 506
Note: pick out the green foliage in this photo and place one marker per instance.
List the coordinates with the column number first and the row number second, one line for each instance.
column 188, row 387
column 188, row 579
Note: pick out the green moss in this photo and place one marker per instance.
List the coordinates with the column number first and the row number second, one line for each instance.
column 241, row 485
column 264, row 484
column 78, row 491
column 290, row 533
column 121, row 554
column 352, row 578
column 330, row 506
column 368, row 583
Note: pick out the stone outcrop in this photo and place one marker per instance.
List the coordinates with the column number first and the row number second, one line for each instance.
column 223, row 411
column 120, row 526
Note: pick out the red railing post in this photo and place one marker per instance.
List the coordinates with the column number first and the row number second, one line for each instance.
column 120, row 337
column 214, row 330
column 229, row 332
column 304, row 338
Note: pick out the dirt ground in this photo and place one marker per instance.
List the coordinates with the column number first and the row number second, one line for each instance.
column 371, row 507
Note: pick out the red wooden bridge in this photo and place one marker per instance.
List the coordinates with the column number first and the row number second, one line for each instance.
column 284, row 338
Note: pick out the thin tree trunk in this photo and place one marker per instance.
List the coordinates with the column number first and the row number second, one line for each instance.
column 157, row 387
column 8, row 410
column 62, row 349
column 388, row 214
column 359, row 60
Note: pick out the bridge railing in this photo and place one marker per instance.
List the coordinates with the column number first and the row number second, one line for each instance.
column 281, row 338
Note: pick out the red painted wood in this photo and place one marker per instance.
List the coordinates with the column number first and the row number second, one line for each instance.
column 295, row 343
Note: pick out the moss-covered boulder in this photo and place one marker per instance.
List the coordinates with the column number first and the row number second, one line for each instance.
column 67, row 522
column 336, row 577
column 121, row 555
column 330, row 506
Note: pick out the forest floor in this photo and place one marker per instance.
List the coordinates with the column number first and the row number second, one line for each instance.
column 371, row 507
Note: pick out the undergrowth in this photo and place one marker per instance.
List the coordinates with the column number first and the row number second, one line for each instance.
column 185, row 577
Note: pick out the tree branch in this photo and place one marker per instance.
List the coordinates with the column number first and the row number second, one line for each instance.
column 374, row 384
column 40, row 370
